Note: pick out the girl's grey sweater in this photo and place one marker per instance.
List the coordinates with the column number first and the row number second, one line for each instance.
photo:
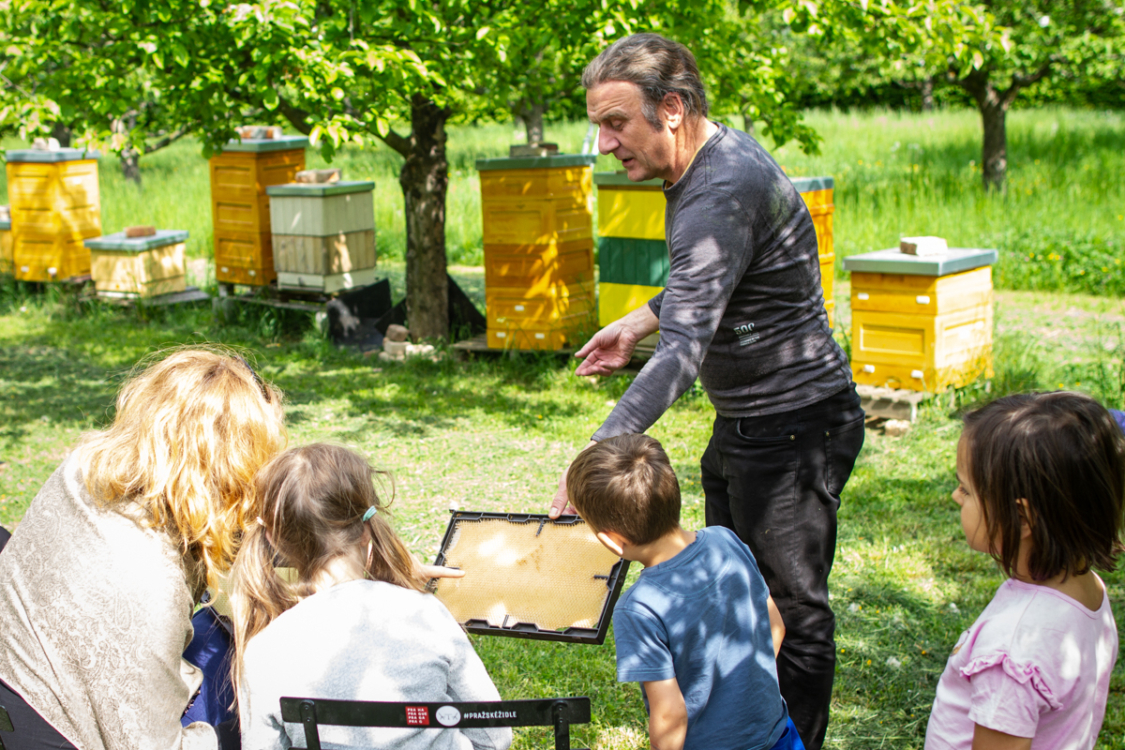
column 364, row 640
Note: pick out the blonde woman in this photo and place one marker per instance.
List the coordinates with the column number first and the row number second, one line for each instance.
column 353, row 624
column 98, row 583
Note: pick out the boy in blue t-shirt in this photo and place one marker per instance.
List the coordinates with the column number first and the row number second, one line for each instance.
column 698, row 629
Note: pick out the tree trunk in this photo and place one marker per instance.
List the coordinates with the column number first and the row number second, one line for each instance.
column 928, row 94
column 62, row 134
column 425, row 180
column 993, row 107
column 995, row 153
column 130, row 165
column 533, row 121
column 747, row 124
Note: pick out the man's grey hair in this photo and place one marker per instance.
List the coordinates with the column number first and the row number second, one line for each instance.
column 658, row 66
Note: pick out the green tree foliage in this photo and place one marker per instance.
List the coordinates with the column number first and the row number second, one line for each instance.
column 127, row 75
column 992, row 50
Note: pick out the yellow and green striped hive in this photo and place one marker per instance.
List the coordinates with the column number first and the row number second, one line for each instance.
column 632, row 252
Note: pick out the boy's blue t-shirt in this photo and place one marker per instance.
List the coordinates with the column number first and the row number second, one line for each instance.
column 702, row 618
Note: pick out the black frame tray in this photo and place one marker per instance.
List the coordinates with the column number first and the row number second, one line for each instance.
column 614, row 583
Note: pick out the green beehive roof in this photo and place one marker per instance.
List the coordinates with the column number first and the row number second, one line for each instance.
column 809, row 184
column 119, row 242
column 260, row 145
column 621, row 178
column 538, row 162
column 31, row 155
column 320, row 190
column 893, row 260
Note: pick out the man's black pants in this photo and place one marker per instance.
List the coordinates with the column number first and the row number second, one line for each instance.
column 776, row 481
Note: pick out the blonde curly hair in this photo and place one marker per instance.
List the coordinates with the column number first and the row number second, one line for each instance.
column 190, row 432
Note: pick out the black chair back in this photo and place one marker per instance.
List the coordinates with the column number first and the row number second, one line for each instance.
column 559, row 713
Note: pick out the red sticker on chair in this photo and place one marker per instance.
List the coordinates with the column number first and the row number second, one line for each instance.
column 417, row 716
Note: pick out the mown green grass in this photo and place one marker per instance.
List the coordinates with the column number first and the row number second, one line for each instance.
column 493, row 433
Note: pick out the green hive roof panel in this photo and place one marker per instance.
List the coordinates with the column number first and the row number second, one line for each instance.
column 621, row 178
column 261, row 145
column 320, row 190
column 809, row 184
column 893, row 260
column 120, row 243
column 537, row 162
column 32, row 155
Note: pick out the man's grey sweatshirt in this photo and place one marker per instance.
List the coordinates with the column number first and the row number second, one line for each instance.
column 743, row 309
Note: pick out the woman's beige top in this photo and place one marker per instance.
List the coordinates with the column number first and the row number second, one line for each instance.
column 95, row 612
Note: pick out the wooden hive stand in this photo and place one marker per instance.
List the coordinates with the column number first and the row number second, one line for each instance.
column 921, row 323
column 55, row 205
column 6, row 264
column 240, row 206
column 323, row 235
column 538, row 250
column 126, row 267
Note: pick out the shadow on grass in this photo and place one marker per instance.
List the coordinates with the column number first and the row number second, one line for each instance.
column 47, row 383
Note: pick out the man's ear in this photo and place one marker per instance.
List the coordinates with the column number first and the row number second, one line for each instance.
column 1027, row 518
column 672, row 111
column 614, row 542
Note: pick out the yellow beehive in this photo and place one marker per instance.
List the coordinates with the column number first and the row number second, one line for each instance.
column 5, row 242
column 818, row 195
column 632, row 252
column 921, row 323
column 55, row 205
column 240, row 207
column 127, row 267
column 538, row 250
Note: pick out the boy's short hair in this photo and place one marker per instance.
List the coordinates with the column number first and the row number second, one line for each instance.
column 626, row 484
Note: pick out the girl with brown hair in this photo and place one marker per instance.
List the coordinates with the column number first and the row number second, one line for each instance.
column 98, row 584
column 352, row 621
column 1041, row 487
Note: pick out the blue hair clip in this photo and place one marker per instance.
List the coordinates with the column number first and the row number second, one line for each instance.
column 369, row 513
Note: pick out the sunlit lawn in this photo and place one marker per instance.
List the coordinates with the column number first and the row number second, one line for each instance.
column 494, row 433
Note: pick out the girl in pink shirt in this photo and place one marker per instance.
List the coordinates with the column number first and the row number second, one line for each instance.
column 1041, row 482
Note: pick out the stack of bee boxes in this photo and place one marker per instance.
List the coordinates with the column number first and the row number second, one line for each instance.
column 817, row 192
column 538, row 250
column 921, row 323
column 126, row 266
column 5, row 241
column 633, row 254
column 55, row 205
column 323, row 235
column 240, row 207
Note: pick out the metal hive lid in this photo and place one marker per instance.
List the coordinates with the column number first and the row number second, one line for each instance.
column 892, row 260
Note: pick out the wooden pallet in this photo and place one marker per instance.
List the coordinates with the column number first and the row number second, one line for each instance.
column 128, row 299
column 890, row 403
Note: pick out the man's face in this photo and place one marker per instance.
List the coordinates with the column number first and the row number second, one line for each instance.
column 615, row 107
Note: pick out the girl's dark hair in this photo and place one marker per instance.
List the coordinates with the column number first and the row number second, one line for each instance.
column 658, row 66
column 1065, row 456
column 626, row 484
column 312, row 500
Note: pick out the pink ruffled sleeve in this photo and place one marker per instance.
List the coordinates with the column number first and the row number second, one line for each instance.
column 1008, row 696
